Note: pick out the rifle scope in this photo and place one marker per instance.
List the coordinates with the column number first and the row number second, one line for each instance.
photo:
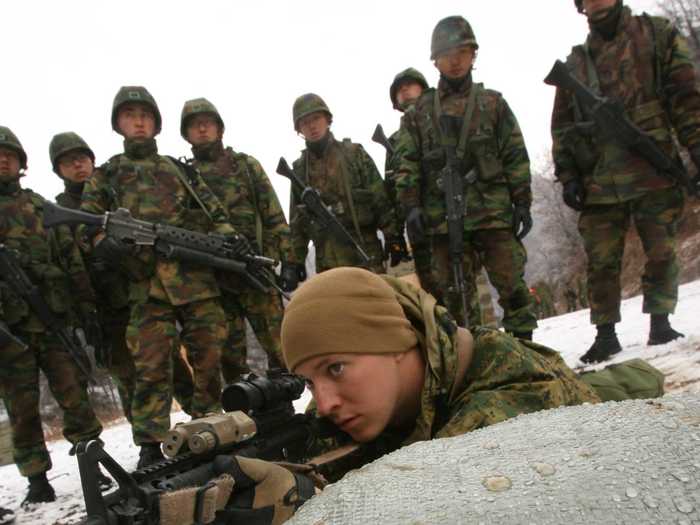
column 256, row 394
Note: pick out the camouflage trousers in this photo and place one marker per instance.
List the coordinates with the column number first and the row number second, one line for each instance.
column 504, row 258
column 264, row 313
column 153, row 338
column 332, row 252
column 604, row 228
column 123, row 371
column 19, row 380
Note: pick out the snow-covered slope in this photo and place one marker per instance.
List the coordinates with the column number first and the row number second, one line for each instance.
column 571, row 334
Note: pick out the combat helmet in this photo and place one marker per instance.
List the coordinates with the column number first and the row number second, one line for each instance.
column 307, row 104
column 139, row 94
column 9, row 140
column 449, row 33
column 62, row 143
column 410, row 74
column 198, row 106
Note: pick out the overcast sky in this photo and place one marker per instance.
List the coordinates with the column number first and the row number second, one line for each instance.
column 63, row 62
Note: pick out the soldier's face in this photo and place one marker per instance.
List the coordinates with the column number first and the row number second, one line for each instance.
column 408, row 92
column 136, row 121
column 597, row 8
column 203, row 129
column 360, row 393
column 75, row 166
column 456, row 63
column 314, row 126
column 9, row 163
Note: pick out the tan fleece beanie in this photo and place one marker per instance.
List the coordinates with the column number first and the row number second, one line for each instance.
column 344, row 310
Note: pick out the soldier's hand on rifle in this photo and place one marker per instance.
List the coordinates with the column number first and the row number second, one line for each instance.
column 239, row 245
column 395, row 250
column 573, row 194
column 415, row 225
column 264, row 493
column 291, row 275
column 91, row 325
column 522, row 220
column 110, row 248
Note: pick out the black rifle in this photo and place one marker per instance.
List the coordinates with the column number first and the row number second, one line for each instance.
column 7, row 337
column 207, row 249
column 380, row 138
column 320, row 212
column 260, row 422
column 72, row 339
column 612, row 124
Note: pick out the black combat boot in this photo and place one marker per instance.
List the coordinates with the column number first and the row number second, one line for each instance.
column 605, row 345
column 660, row 331
column 523, row 335
column 150, row 453
column 6, row 516
column 40, row 490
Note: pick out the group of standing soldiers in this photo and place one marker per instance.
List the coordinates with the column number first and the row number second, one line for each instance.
column 148, row 306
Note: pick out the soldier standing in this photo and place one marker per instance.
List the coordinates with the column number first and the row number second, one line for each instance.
column 479, row 126
column 162, row 293
column 52, row 260
column 240, row 183
column 74, row 162
column 349, row 183
column 645, row 64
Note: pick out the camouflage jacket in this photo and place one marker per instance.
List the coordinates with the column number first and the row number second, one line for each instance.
column 50, row 257
column 506, row 377
column 493, row 146
column 108, row 280
column 151, row 187
column 241, row 184
column 648, row 68
column 327, row 174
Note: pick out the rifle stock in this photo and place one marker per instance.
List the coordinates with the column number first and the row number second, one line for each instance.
column 612, row 124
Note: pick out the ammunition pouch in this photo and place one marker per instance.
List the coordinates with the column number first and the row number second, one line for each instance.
column 484, row 151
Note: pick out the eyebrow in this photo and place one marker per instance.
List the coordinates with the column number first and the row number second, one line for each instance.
column 323, row 362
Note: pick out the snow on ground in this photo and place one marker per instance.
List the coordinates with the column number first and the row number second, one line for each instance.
column 571, row 334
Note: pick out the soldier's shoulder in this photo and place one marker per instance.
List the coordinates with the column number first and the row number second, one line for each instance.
column 241, row 156
column 28, row 192
column 661, row 26
column 424, row 102
column 110, row 166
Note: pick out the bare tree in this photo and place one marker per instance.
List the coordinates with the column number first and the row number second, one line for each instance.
column 685, row 15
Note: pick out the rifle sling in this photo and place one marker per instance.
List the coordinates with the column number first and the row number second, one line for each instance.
column 189, row 188
column 466, row 122
column 348, row 190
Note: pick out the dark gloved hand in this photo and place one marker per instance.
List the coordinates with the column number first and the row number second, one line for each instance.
column 573, row 194
column 522, row 220
column 291, row 275
column 111, row 249
column 90, row 321
column 264, row 493
column 395, row 250
column 240, row 246
column 415, row 225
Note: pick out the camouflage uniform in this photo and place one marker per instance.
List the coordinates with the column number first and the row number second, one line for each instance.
column 163, row 293
column 53, row 262
column 339, row 166
column 647, row 66
column 112, row 289
column 240, row 183
column 497, row 182
column 506, row 377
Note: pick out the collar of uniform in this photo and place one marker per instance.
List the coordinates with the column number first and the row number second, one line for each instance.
column 448, row 87
column 74, row 188
column 208, row 152
column 10, row 187
column 596, row 37
column 140, row 149
column 320, row 147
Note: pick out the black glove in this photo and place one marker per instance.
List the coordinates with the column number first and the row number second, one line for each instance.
column 240, row 247
column 522, row 220
column 395, row 250
column 111, row 248
column 90, row 322
column 291, row 275
column 415, row 225
column 573, row 195
column 264, row 493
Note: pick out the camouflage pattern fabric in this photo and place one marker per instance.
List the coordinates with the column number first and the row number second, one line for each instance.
column 496, row 150
column 153, row 339
column 162, row 292
column 53, row 262
column 506, row 377
column 611, row 174
column 240, row 183
column 372, row 206
column 603, row 229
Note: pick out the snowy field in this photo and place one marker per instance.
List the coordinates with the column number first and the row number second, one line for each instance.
column 571, row 334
